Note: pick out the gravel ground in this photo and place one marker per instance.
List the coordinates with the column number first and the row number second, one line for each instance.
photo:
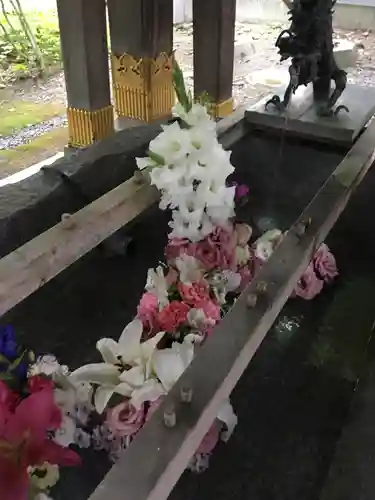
column 256, row 70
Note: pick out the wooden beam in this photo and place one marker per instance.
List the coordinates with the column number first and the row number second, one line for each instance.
column 31, row 266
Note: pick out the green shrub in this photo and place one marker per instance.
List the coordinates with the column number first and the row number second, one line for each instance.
column 17, row 56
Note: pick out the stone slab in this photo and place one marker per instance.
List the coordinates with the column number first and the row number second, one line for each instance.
column 301, row 118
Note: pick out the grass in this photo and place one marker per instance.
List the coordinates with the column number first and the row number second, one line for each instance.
column 45, row 146
column 16, row 115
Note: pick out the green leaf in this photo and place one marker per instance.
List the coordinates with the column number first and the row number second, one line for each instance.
column 184, row 98
column 158, row 159
column 4, row 360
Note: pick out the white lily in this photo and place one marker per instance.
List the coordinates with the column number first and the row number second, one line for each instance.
column 126, row 369
column 169, row 364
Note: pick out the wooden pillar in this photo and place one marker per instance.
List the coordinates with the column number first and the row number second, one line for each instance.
column 213, row 34
column 141, row 34
column 85, row 57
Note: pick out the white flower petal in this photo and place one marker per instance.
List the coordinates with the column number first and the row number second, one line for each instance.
column 148, row 347
column 229, row 418
column 102, row 396
column 134, row 377
column 96, row 373
column 150, row 391
column 64, row 436
column 169, row 364
column 130, row 340
column 124, row 389
column 109, row 349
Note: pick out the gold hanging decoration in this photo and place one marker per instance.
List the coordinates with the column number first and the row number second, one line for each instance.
column 143, row 88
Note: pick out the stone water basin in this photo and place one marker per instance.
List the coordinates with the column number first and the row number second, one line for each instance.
column 293, row 399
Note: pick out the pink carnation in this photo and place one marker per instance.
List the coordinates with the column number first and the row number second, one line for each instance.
column 325, row 264
column 194, row 293
column 177, row 247
column 147, row 310
column 210, row 439
column 172, row 316
column 125, row 420
column 309, row 285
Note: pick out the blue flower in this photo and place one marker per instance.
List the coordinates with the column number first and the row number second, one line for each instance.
column 10, row 351
column 8, row 346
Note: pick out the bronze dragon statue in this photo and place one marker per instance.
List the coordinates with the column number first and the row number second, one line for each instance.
column 308, row 42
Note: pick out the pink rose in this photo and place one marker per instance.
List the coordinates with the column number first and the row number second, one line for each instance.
column 217, row 251
column 211, row 310
column 210, row 439
column 207, row 254
column 172, row 316
column 325, row 264
column 309, row 285
column 147, row 310
column 194, row 293
column 124, row 419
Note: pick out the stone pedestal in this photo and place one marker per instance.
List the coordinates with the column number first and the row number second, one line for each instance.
column 301, row 118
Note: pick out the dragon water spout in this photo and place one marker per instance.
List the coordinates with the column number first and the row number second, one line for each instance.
column 309, row 43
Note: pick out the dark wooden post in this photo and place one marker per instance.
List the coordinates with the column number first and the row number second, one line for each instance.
column 213, row 34
column 141, row 34
column 85, row 57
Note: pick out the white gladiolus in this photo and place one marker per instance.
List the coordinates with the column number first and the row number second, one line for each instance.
column 192, row 175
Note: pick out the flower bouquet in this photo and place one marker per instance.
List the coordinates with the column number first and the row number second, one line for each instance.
column 209, row 259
